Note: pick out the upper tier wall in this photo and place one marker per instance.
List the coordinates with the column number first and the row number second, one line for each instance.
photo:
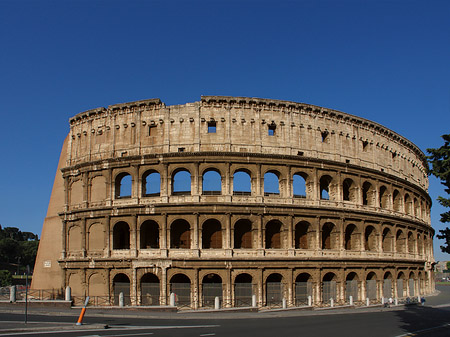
column 242, row 125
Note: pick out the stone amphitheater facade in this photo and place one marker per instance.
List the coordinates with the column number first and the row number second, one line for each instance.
column 238, row 198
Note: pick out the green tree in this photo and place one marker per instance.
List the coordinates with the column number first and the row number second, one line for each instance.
column 5, row 278
column 440, row 168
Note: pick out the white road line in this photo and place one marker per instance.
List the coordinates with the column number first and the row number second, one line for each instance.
column 414, row 333
column 128, row 334
column 208, row 334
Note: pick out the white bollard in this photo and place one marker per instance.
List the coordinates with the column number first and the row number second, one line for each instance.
column 382, row 300
column 68, row 294
column 284, row 303
column 350, row 299
column 216, row 303
column 396, row 301
column 418, row 299
column 121, row 300
column 12, row 294
column 367, row 301
column 254, row 301
column 309, row 301
column 172, row 300
column 332, row 302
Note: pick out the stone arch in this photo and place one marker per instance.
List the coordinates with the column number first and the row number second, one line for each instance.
column 329, row 288
column 384, row 197
column 349, row 190
column 416, row 208
column 181, row 182
column 400, row 241
column 299, row 180
column 243, row 290
column 397, row 201
column 150, row 289
column 121, row 235
column 329, row 236
column 274, row 289
column 149, row 234
column 371, row 286
column 180, row 285
column 387, row 285
column 408, row 204
column 273, row 235
column 211, row 288
column 303, row 288
column 212, row 234
column 411, row 243
column 96, row 237
column 180, row 234
column 325, row 187
column 74, row 239
column 76, row 192
column 123, row 185
column 401, row 286
column 351, row 237
column 242, row 182
column 75, row 284
column 368, row 194
column 411, row 284
column 387, row 240
column 272, row 183
column 121, row 284
column 352, row 286
column 98, row 188
column 370, row 238
column 96, row 285
column 211, row 182
column 302, row 235
column 243, row 237
column 151, row 183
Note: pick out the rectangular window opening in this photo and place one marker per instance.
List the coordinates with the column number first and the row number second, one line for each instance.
column 211, row 127
column 272, row 128
column 181, row 149
column 152, row 130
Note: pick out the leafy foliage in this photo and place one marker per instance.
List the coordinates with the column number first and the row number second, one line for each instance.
column 5, row 278
column 17, row 248
column 440, row 162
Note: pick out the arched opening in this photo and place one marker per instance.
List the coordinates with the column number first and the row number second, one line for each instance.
column 121, row 235
column 180, row 285
column 329, row 288
column 301, row 235
column 384, row 197
column 121, row 284
column 400, row 241
column 211, row 234
column 180, row 234
column 325, row 182
column 397, row 202
column 243, row 290
column 123, row 184
column 408, row 204
column 299, row 184
column 181, row 182
column 273, row 235
column 387, row 285
column 387, row 240
column 351, row 238
column 243, row 234
column 401, row 287
column 242, row 184
column 329, row 236
column 368, row 194
column 411, row 243
column 370, row 239
column 303, row 289
column 212, row 183
column 419, row 245
column 151, row 184
column 274, row 290
column 371, row 286
column 149, row 289
column 271, row 183
column 211, row 288
column 348, row 190
column 411, row 285
column 351, row 287
column 416, row 208
column 149, row 235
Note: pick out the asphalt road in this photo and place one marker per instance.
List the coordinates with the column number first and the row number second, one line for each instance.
column 430, row 320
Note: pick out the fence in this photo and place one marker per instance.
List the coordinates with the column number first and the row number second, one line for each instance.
column 302, row 291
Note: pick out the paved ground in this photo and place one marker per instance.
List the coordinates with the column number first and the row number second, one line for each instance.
column 430, row 320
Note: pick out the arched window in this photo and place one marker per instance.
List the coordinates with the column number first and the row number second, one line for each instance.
column 325, row 182
column 273, row 234
column 370, row 239
column 151, row 184
column 243, row 290
column 121, row 235
column 180, row 234
column 401, row 286
column 416, row 208
column 299, row 185
column 329, row 288
column 121, row 284
column 211, row 234
column 149, row 235
column 351, row 287
column 274, row 290
column 368, row 194
column 411, row 243
column 371, row 286
column 149, row 289
column 211, row 288
column 243, row 234
column 384, row 197
column 271, row 183
column 348, row 190
column 180, row 285
column 397, row 203
column 328, row 236
column 181, row 182
column 212, row 183
column 387, row 285
column 301, row 235
column 351, row 237
column 400, row 241
column 303, row 289
column 123, row 185
column 408, row 204
column 387, row 240
column 242, row 183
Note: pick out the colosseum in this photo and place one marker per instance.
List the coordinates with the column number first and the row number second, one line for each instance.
column 252, row 201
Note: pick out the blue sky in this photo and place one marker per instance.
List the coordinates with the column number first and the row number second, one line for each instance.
column 387, row 61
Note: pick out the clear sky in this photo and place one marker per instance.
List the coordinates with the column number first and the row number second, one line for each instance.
column 384, row 60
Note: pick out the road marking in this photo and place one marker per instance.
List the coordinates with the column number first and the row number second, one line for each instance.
column 127, row 334
column 415, row 333
column 208, row 334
